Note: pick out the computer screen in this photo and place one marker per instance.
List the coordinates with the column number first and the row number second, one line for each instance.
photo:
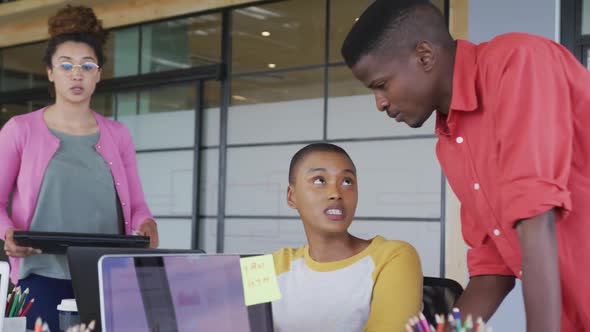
column 172, row 293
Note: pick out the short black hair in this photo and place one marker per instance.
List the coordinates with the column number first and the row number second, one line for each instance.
column 300, row 155
column 390, row 26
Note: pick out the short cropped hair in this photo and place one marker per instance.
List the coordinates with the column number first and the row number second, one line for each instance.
column 394, row 26
column 300, row 156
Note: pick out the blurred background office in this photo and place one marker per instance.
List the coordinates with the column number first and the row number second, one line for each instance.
column 219, row 94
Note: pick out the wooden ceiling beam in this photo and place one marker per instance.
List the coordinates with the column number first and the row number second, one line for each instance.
column 26, row 21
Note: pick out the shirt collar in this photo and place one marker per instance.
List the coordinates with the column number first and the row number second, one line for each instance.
column 464, row 87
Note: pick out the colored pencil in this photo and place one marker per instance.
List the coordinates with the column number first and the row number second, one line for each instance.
column 457, row 316
column 15, row 302
column 38, row 324
column 424, row 323
column 7, row 304
column 26, row 309
column 22, row 302
column 440, row 323
column 468, row 324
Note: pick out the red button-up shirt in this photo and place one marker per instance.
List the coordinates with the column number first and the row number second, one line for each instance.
column 515, row 144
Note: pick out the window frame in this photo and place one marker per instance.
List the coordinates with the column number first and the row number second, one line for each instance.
column 571, row 30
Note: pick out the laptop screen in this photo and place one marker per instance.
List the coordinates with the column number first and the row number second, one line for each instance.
column 83, row 262
column 170, row 293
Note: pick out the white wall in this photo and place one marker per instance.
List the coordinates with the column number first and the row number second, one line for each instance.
column 488, row 19
column 390, row 184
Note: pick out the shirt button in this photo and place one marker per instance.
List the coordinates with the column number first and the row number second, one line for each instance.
column 496, row 232
column 459, row 139
column 520, row 272
column 126, row 223
column 98, row 146
column 118, row 184
column 476, row 186
column 123, row 203
column 110, row 162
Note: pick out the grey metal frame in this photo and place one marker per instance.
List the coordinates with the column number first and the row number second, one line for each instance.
column 196, row 208
column 336, row 140
column 571, row 29
column 226, row 52
column 326, row 69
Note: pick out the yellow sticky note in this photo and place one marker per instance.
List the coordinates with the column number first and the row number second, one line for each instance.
column 259, row 279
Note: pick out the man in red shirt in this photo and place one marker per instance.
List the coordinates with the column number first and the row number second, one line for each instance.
column 512, row 117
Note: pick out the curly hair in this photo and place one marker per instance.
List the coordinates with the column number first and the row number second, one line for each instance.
column 78, row 24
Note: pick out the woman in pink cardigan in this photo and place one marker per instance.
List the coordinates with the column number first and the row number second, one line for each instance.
column 68, row 168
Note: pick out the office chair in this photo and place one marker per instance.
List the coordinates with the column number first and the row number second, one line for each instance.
column 439, row 296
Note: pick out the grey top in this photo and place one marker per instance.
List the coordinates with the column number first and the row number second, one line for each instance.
column 77, row 195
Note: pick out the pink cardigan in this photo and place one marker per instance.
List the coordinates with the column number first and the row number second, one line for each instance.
column 27, row 146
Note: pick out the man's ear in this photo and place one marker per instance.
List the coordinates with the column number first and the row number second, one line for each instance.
column 425, row 54
column 291, row 197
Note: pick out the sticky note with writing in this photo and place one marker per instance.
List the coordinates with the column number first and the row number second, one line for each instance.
column 259, row 279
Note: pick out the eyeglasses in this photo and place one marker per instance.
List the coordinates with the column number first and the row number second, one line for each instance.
column 86, row 67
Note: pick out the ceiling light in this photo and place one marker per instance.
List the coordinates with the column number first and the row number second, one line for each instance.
column 263, row 11
column 272, row 65
column 356, row 19
column 170, row 63
column 250, row 14
column 238, row 97
column 199, row 32
column 265, row 33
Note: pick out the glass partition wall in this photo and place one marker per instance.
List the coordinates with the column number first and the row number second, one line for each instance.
column 217, row 103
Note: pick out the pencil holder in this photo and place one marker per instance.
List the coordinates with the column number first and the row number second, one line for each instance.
column 15, row 324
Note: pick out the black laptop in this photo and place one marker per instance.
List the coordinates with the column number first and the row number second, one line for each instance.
column 260, row 316
column 58, row 242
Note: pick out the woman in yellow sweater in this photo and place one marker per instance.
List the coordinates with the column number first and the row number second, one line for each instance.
column 339, row 282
